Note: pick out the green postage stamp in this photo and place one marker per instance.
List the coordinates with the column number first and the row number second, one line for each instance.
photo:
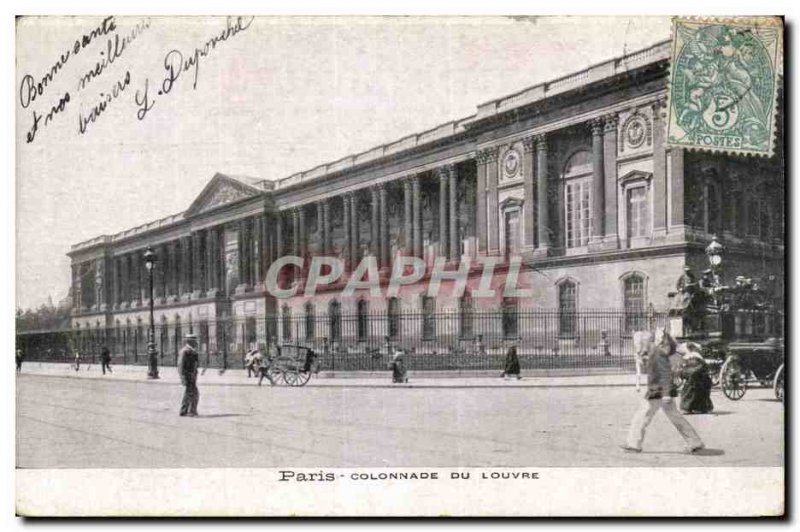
column 724, row 84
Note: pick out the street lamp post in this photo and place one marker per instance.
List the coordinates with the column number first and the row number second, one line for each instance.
column 714, row 252
column 152, row 352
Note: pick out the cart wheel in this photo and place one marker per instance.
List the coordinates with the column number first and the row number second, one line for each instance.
column 777, row 386
column 275, row 375
column 291, row 378
column 733, row 379
column 302, row 378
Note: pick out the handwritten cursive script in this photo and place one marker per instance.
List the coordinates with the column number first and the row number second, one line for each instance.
column 175, row 63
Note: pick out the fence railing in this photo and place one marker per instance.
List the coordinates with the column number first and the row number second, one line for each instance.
column 467, row 339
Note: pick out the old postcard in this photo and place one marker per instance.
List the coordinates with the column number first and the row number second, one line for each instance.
column 400, row 266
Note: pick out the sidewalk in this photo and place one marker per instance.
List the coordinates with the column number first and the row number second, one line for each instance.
column 417, row 379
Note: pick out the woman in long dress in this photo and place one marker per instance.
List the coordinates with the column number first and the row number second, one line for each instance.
column 696, row 390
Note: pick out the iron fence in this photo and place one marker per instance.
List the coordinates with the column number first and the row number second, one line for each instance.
column 457, row 340
column 444, row 340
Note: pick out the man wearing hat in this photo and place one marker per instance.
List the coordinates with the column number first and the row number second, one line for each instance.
column 188, row 361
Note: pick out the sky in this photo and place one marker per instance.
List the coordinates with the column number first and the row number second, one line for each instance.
column 281, row 96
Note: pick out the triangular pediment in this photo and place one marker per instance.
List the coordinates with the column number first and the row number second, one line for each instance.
column 220, row 191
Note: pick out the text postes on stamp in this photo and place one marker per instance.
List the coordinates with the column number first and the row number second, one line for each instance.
column 723, row 84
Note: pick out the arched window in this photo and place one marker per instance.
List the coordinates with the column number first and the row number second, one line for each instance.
column 362, row 318
column 577, row 187
column 567, row 309
column 510, row 317
column 311, row 321
column 634, row 301
column 286, row 322
column 428, row 318
column 335, row 321
column 393, row 317
column 465, row 316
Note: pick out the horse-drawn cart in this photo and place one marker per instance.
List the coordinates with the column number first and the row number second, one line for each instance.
column 291, row 365
column 753, row 362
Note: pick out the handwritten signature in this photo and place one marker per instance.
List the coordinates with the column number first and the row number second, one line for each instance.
column 175, row 64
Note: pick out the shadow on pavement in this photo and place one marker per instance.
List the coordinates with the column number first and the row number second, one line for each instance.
column 702, row 452
column 220, row 415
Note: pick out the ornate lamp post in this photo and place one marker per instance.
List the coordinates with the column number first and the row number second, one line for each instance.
column 714, row 252
column 152, row 352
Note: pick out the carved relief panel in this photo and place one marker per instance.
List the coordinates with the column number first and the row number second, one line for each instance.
column 635, row 131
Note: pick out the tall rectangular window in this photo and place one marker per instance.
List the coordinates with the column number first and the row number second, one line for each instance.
column 512, row 232
column 634, row 301
column 638, row 214
column 428, row 318
column 578, row 215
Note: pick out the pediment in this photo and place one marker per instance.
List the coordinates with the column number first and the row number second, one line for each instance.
column 220, row 191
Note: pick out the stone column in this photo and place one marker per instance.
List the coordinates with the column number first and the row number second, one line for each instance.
column 76, row 287
column 492, row 204
column 444, row 230
column 255, row 263
column 240, row 246
column 197, row 265
column 320, row 228
column 598, row 183
column 301, row 231
column 528, row 206
column 186, row 266
column 480, row 191
column 354, row 230
column 375, row 249
column 348, row 244
column 408, row 231
column 542, row 204
column 676, row 193
column 611, row 236
column 136, row 267
column 384, row 233
column 326, row 226
column 210, row 283
column 455, row 242
column 416, row 196
column 295, row 231
column 659, row 190
column 278, row 235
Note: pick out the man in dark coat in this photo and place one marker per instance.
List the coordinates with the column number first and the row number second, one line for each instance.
column 105, row 360
column 19, row 358
column 511, row 368
column 188, row 362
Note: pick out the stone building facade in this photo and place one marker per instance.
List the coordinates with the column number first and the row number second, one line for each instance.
column 571, row 177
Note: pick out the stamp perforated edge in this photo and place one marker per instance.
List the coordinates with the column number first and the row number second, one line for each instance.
column 776, row 21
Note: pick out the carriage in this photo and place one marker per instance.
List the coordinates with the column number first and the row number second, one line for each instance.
column 741, row 336
column 292, row 365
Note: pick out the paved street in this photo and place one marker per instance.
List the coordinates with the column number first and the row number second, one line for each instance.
column 74, row 422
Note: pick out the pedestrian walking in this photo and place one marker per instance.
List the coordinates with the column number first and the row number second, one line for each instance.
column 105, row 360
column 188, row 362
column 398, row 367
column 511, row 368
column 19, row 357
column 253, row 361
column 696, row 389
column 77, row 361
column 663, row 363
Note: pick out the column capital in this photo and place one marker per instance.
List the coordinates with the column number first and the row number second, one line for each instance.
column 610, row 122
column 596, row 127
column 408, row 182
column 487, row 155
column 444, row 172
column 541, row 142
column 659, row 107
column 529, row 143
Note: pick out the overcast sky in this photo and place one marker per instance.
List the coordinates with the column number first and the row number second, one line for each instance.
column 282, row 96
